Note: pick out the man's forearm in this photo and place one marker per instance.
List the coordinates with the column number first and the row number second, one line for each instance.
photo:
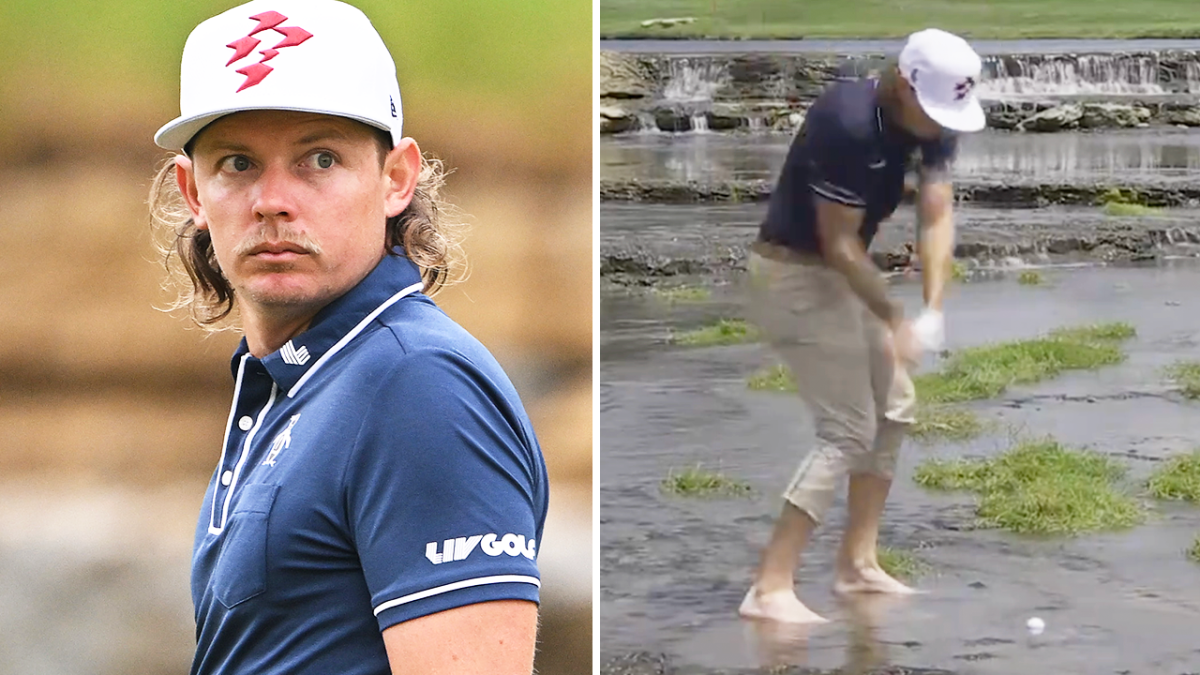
column 848, row 256
column 936, row 251
column 935, row 246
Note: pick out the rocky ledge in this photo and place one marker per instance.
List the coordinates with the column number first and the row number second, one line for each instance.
column 725, row 92
column 644, row 663
column 782, row 116
column 1020, row 193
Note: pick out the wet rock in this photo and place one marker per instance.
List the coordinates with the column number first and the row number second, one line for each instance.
column 649, row 663
column 1113, row 116
column 668, row 192
column 1005, row 193
column 1055, row 119
column 672, row 120
column 724, row 119
column 1182, row 116
column 623, row 77
column 638, row 663
column 614, row 120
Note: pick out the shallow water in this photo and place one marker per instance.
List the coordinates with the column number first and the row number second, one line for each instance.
column 1141, row 154
column 674, row 570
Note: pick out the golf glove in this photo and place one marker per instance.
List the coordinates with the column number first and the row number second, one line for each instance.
column 930, row 330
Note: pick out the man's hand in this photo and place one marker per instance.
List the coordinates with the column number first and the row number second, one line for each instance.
column 837, row 227
column 488, row 638
column 929, row 329
column 905, row 344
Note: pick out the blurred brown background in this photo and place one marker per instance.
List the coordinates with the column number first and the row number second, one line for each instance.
column 111, row 412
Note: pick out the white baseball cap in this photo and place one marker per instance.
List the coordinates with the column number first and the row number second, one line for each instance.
column 319, row 56
column 943, row 70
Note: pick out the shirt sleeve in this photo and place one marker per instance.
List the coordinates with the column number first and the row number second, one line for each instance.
column 939, row 155
column 445, row 491
column 838, row 165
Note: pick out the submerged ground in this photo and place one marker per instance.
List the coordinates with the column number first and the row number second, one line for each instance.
column 674, row 569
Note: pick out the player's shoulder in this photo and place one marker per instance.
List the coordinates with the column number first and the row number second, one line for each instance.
column 418, row 337
column 845, row 112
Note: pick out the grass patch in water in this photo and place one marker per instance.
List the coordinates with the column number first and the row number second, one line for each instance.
column 958, row 271
column 1126, row 209
column 674, row 294
column 724, row 332
column 1030, row 278
column 700, row 482
column 773, row 378
column 1178, row 478
column 1186, row 375
column 1194, row 551
column 987, row 371
column 945, row 422
column 1039, row 487
column 901, row 564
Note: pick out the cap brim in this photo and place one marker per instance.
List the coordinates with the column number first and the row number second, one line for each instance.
column 174, row 135
column 966, row 117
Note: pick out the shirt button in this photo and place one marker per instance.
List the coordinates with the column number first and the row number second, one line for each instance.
column 245, row 423
column 227, row 478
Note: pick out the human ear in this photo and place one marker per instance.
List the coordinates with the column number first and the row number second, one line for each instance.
column 185, row 177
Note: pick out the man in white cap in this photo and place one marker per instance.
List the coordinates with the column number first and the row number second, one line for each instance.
column 825, row 306
column 380, row 493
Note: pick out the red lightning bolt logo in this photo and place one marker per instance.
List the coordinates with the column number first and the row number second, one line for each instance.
column 243, row 46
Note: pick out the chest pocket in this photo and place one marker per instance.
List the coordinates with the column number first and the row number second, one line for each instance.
column 241, row 571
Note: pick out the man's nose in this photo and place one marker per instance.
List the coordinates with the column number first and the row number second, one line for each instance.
column 276, row 195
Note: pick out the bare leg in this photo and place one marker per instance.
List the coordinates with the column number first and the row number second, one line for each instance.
column 858, row 568
column 773, row 595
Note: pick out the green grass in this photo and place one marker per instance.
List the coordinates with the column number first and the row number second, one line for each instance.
column 901, row 564
column 987, row 371
column 945, row 423
column 1193, row 551
column 1123, row 209
column 959, row 271
column 1030, row 278
column 724, row 332
column 977, row 19
column 674, row 294
column 1177, row 479
column 700, row 482
column 1186, row 376
column 773, row 378
column 1040, row 487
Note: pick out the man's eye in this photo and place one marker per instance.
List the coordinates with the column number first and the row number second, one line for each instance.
column 324, row 160
column 237, row 164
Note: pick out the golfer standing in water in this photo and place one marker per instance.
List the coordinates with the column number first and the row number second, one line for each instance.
column 825, row 307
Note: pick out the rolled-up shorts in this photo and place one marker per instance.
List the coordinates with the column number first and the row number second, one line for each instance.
column 860, row 398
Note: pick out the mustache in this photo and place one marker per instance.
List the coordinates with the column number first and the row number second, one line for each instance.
column 278, row 235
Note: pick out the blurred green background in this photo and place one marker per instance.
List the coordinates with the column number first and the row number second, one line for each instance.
column 111, row 411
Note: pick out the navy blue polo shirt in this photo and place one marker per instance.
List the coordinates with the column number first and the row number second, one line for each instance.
column 379, row 467
column 847, row 151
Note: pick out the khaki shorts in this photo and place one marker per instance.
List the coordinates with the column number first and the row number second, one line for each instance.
column 861, row 400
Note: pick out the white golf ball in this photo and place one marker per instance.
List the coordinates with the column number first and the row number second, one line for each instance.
column 1035, row 625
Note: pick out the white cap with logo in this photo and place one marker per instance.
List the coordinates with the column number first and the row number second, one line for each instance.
column 319, row 56
column 943, row 70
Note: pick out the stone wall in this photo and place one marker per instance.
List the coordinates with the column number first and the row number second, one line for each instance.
column 771, row 91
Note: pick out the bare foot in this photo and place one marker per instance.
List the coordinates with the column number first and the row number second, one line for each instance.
column 782, row 606
column 869, row 579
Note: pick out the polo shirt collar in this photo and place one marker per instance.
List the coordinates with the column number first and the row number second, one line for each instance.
column 337, row 321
